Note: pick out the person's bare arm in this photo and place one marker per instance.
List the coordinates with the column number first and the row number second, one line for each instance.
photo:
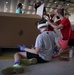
column 35, row 51
column 58, row 45
column 56, row 27
column 53, row 24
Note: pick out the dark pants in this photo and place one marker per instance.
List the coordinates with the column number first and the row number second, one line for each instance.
column 71, row 42
column 39, row 59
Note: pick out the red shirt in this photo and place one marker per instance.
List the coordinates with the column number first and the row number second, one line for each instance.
column 50, row 28
column 66, row 28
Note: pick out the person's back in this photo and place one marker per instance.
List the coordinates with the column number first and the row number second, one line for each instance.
column 46, row 44
column 45, row 41
column 19, row 8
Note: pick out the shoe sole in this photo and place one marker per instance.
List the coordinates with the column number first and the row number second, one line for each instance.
column 33, row 61
column 29, row 61
column 11, row 70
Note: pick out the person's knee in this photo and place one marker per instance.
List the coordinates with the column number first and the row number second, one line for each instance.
column 16, row 54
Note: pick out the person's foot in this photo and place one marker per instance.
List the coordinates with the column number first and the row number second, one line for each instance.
column 56, row 56
column 29, row 61
column 11, row 70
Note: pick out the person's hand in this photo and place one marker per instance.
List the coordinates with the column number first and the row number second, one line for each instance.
column 46, row 17
column 22, row 47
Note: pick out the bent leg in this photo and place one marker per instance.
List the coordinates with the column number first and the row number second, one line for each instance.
column 18, row 56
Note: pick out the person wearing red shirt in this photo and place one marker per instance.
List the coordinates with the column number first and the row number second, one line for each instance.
column 65, row 30
column 64, row 25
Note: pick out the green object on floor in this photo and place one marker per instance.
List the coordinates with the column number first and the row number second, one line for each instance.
column 16, row 69
column 29, row 61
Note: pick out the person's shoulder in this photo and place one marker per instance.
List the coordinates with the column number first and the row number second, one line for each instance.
column 65, row 18
column 39, row 35
column 52, row 33
column 17, row 10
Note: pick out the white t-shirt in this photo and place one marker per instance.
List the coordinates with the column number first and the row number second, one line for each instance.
column 46, row 42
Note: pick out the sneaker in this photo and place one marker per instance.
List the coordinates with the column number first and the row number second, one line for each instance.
column 29, row 61
column 56, row 56
column 11, row 70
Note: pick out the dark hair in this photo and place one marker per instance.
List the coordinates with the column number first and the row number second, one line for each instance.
column 19, row 5
column 57, row 17
column 51, row 20
column 42, row 21
column 37, row 5
column 61, row 11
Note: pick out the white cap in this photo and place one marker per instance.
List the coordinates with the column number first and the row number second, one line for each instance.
column 42, row 24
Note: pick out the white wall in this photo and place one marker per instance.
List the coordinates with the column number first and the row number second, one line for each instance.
column 72, row 18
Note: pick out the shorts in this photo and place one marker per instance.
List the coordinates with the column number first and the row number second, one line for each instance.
column 71, row 42
column 39, row 59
